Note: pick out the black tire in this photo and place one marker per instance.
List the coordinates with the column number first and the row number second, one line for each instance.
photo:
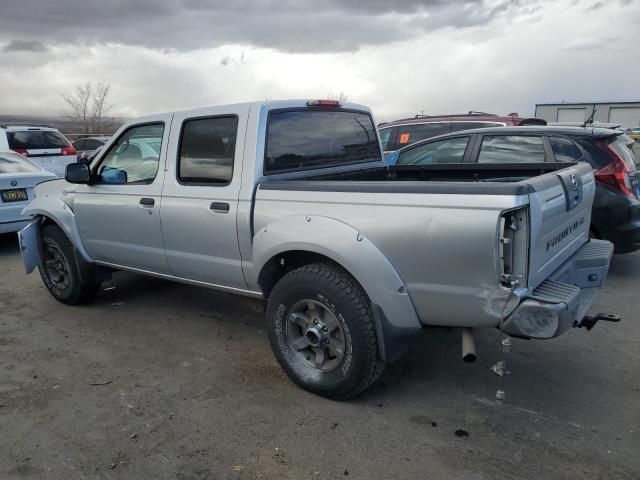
column 64, row 283
column 340, row 294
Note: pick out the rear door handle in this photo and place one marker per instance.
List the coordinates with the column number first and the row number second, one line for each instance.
column 219, row 207
column 147, row 202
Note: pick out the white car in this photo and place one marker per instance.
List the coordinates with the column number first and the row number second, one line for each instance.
column 44, row 145
column 18, row 177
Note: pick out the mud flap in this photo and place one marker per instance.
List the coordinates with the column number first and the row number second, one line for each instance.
column 29, row 245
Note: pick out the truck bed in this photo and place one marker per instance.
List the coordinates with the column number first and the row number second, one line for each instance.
column 440, row 226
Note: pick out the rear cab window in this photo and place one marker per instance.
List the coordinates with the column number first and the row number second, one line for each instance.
column 36, row 140
column 511, row 149
column 310, row 138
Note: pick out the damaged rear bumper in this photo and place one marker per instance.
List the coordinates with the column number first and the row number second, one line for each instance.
column 562, row 300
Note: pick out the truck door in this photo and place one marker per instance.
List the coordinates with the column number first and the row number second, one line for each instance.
column 200, row 196
column 118, row 215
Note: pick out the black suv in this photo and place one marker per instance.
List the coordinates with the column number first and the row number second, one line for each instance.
column 616, row 207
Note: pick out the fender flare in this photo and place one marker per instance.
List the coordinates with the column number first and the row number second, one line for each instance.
column 394, row 313
column 59, row 212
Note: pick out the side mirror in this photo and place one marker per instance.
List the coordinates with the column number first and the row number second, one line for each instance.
column 113, row 175
column 77, row 173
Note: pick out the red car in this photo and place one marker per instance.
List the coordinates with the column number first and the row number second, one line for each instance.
column 400, row 133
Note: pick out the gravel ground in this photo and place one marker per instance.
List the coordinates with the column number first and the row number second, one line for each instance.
column 157, row 380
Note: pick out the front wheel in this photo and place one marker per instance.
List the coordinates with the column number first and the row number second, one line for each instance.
column 322, row 331
column 59, row 269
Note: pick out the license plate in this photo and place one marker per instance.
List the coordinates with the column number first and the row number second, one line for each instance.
column 17, row 195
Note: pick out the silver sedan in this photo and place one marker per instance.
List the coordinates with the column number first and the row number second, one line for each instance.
column 18, row 177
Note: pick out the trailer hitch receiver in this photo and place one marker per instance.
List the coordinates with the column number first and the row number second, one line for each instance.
column 590, row 321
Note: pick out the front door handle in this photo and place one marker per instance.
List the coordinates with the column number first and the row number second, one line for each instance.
column 219, row 207
column 147, row 202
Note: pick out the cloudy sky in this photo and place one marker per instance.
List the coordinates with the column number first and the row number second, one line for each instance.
column 398, row 56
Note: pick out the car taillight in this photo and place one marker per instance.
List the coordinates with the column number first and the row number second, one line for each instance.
column 615, row 173
column 323, row 103
column 68, row 151
column 21, row 151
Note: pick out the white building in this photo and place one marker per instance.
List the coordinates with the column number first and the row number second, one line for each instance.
column 627, row 114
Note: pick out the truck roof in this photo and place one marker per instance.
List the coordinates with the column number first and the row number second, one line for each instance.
column 268, row 105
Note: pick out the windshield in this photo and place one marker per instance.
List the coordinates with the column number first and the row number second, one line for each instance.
column 14, row 164
column 309, row 138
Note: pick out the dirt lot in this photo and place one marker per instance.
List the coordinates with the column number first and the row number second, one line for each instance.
column 158, row 380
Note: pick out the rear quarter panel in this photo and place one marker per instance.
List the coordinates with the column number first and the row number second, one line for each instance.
column 443, row 247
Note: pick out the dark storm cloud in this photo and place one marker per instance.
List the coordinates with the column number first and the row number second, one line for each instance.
column 286, row 25
column 24, row 46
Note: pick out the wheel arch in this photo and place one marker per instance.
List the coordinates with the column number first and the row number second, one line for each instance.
column 292, row 242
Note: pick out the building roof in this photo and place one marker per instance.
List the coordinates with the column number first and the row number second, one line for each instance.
column 557, row 104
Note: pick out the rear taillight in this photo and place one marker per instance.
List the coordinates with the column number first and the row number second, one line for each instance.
column 68, row 151
column 615, row 173
column 21, row 151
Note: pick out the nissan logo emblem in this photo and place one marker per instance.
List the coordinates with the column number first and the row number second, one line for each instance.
column 14, row 183
column 574, row 182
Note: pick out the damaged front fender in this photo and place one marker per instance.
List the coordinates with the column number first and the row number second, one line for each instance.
column 30, row 245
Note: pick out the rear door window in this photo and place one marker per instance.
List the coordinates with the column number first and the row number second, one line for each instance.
column 450, row 150
column 36, row 140
column 408, row 134
column 511, row 149
column 304, row 139
column 565, row 150
column 207, row 148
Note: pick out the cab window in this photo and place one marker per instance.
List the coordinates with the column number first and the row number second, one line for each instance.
column 207, row 147
column 134, row 157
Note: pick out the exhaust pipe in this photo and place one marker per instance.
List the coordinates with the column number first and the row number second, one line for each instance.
column 468, row 345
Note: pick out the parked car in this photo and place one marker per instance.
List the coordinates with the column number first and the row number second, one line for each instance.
column 634, row 133
column 291, row 202
column 18, row 178
column 85, row 147
column 616, row 208
column 400, row 133
column 44, row 145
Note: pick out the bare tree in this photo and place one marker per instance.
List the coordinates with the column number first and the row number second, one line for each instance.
column 341, row 97
column 101, row 106
column 89, row 106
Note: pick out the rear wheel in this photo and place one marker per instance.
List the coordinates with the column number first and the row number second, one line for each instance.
column 59, row 269
column 322, row 331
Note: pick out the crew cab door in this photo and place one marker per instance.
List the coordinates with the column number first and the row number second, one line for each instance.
column 200, row 196
column 118, row 214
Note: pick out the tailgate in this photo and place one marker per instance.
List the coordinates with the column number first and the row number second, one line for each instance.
column 560, row 215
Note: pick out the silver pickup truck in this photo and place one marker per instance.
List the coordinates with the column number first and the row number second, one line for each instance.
column 290, row 202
